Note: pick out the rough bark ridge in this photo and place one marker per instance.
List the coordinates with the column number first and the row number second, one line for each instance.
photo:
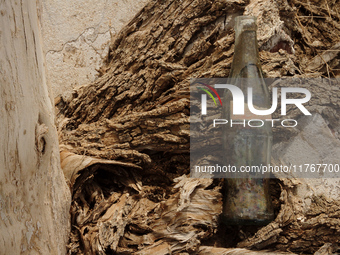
column 135, row 117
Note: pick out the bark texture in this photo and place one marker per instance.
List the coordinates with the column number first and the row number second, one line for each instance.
column 34, row 197
column 135, row 119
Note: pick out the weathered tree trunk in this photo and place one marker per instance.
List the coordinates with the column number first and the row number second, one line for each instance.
column 126, row 136
column 34, row 197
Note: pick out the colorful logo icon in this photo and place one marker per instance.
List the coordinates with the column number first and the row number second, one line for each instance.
column 204, row 97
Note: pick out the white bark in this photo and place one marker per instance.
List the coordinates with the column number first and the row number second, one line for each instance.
column 34, row 197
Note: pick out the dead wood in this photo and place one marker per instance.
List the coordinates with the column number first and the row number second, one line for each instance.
column 133, row 124
column 34, row 197
column 207, row 250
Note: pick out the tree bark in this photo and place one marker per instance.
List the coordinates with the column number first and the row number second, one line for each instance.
column 137, row 113
column 34, row 197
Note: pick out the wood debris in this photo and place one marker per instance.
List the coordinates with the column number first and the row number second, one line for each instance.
column 128, row 133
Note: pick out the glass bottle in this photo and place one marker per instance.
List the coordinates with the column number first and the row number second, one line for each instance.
column 247, row 200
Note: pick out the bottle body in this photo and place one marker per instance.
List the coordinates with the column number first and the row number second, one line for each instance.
column 247, row 144
column 247, row 200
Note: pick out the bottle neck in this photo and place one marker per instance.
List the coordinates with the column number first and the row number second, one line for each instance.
column 246, row 50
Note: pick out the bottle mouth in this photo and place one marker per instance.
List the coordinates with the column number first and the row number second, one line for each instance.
column 244, row 23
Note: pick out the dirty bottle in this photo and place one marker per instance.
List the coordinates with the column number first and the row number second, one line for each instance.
column 247, row 139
